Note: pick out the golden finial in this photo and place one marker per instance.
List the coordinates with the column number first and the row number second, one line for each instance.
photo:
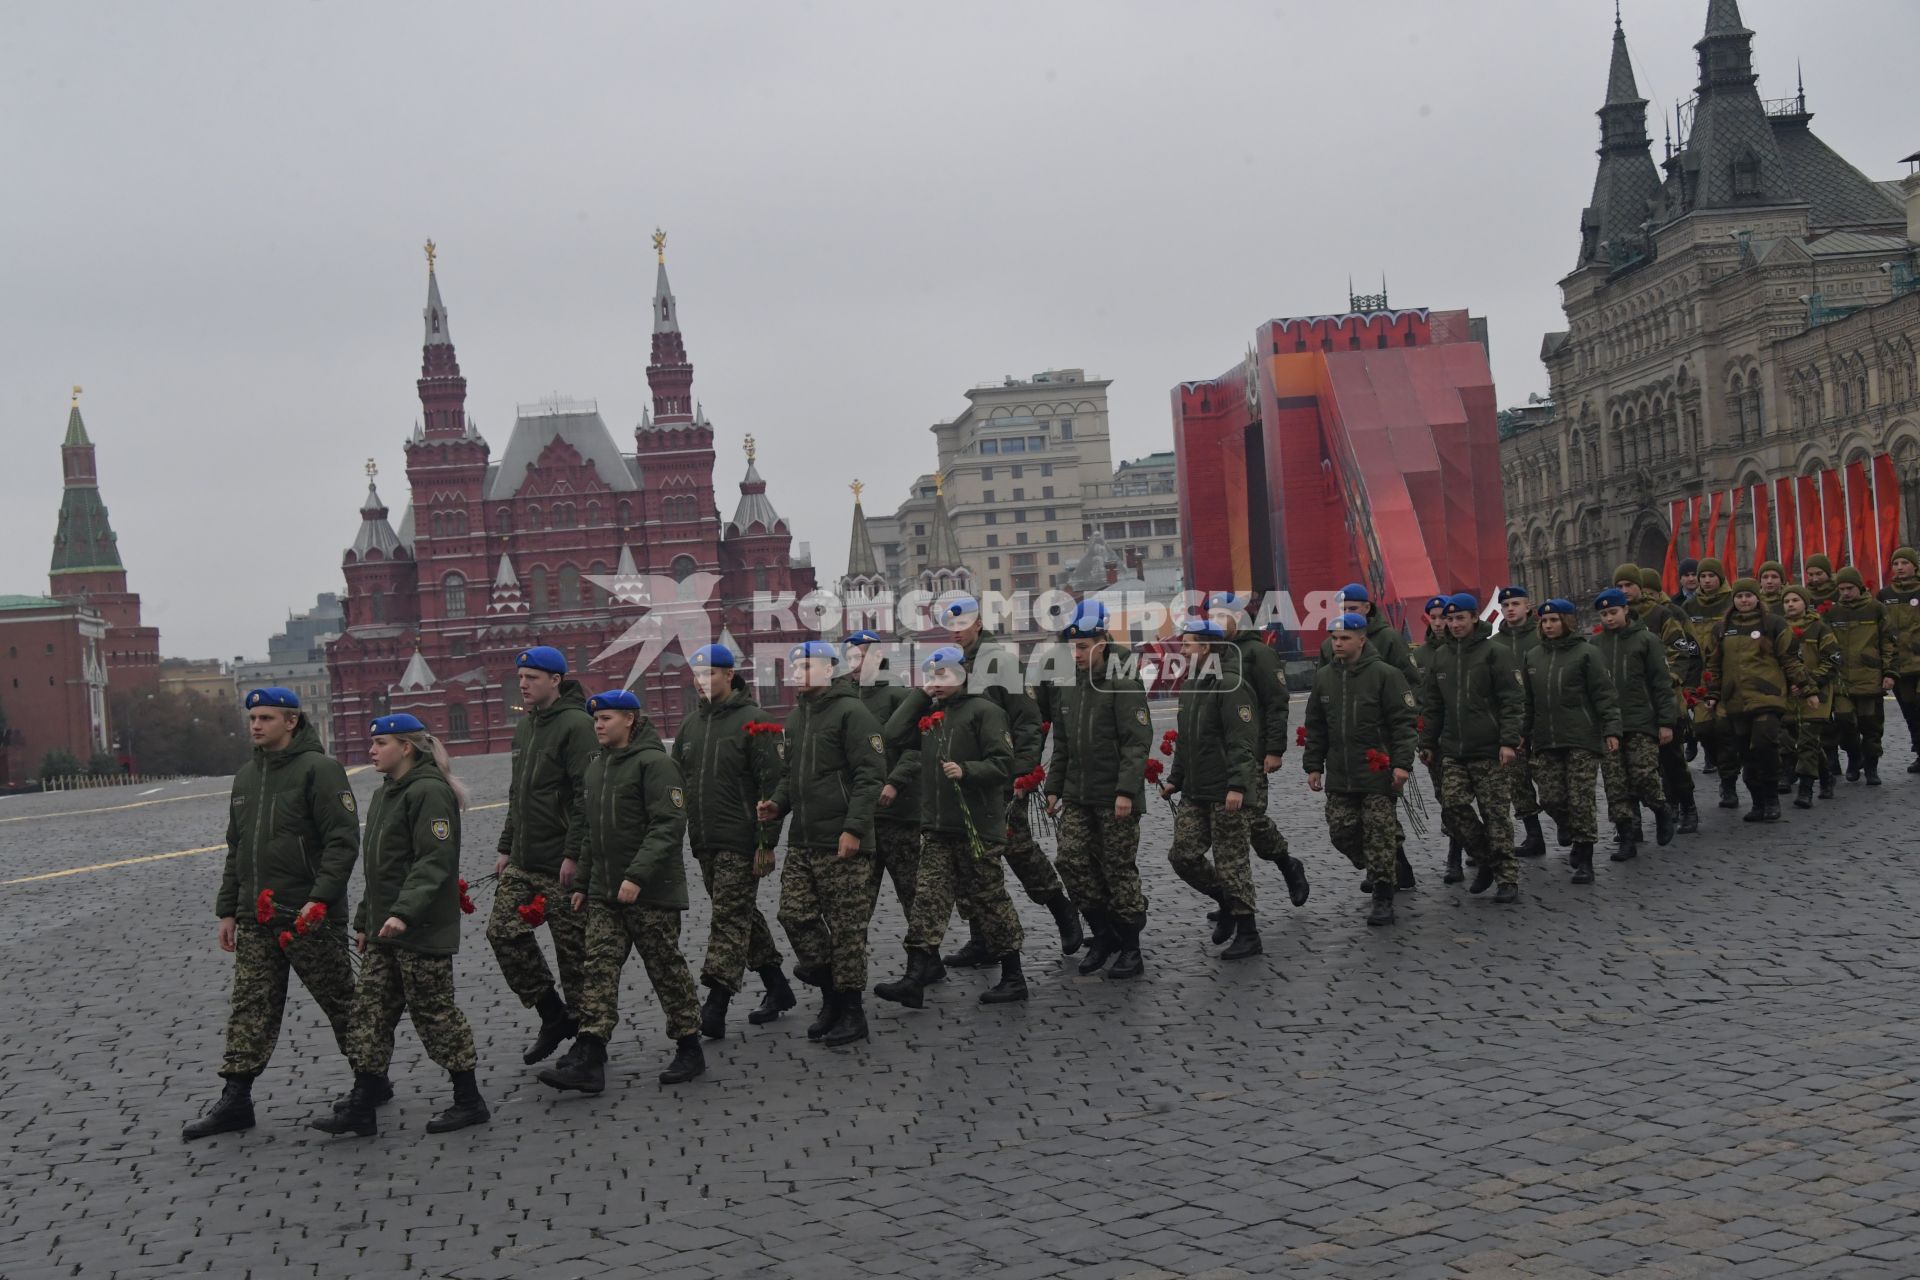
column 431, row 250
column 939, row 484
column 372, row 470
column 749, row 448
column 76, row 395
column 660, row 245
column 856, row 486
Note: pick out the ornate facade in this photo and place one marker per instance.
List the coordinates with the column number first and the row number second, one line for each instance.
column 1745, row 311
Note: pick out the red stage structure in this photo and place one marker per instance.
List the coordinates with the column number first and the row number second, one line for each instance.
column 1356, row 447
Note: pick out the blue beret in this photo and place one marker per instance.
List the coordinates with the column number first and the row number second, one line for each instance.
column 813, row 649
column 1558, row 606
column 1354, row 591
column 1205, row 627
column 1089, row 619
column 1226, row 600
column 387, row 726
column 861, row 637
column 543, row 657
column 1514, row 592
column 1611, row 598
column 1349, row 622
column 947, row 655
column 614, row 700
column 712, row 655
column 274, row 696
column 1463, row 602
column 962, row 604
column 1436, row 602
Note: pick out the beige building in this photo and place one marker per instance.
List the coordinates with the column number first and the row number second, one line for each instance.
column 1139, row 516
column 1747, row 314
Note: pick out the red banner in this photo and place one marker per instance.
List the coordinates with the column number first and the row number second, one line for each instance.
column 1762, row 525
column 1789, row 546
column 1670, row 574
column 1711, row 544
column 1860, row 521
column 1693, row 526
column 1813, row 530
column 1729, row 544
column 1886, row 494
column 1833, row 506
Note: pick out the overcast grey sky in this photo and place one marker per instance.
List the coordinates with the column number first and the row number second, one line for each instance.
column 214, row 213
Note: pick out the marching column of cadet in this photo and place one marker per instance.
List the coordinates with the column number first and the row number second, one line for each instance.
column 1767, row 683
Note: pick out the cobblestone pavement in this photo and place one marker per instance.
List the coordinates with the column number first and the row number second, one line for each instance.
column 1702, row 1065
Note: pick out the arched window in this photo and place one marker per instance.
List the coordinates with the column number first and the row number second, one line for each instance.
column 595, row 572
column 563, row 515
column 760, row 577
column 537, row 590
column 683, row 568
column 533, row 517
column 435, row 525
column 569, row 587
column 593, row 515
column 453, row 594
column 503, row 520
column 378, row 599
column 457, row 720
column 1577, row 462
column 626, row 513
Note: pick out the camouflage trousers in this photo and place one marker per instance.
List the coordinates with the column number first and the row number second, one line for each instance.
column 1488, row 833
column 394, row 981
column 613, row 930
column 1099, row 860
column 950, row 873
column 1805, row 739
column 1750, row 743
column 1027, row 860
column 1862, row 722
column 1520, row 787
column 518, row 948
column 826, row 903
column 737, row 935
column 1268, row 844
column 1566, row 779
column 1632, row 775
column 898, row 849
column 1365, row 826
column 1228, row 878
column 260, row 970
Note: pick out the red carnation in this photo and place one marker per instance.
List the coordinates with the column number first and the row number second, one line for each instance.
column 535, row 912
column 1171, row 735
column 926, row 724
column 1154, row 770
column 286, row 936
column 1597, row 628
column 1419, row 724
column 1166, row 747
column 1823, row 606
column 1300, row 736
column 1798, row 632
column 310, row 919
column 263, row 907
column 466, row 903
column 1046, row 727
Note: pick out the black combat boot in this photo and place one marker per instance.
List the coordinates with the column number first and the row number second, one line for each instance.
column 1826, row 785
column 1562, row 833
column 1382, row 912
column 1294, row 872
column 1771, row 808
column 910, row 989
column 1246, row 939
column 1833, row 761
column 713, row 1014
column 1803, row 799
column 468, row 1108
column 1689, row 817
column 1853, row 765
column 778, row 998
column 1626, row 843
column 232, row 1113
column 382, row 1093
column 1664, row 825
column 1483, row 873
column 1366, row 884
column 1762, row 793
column 1403, row 871
column 688, row 1061
column 1102, row 941
column 1872, row 769
column 1729, row 791
column 829, row 1012
column 849, row 1024
column 357, row 1117
column 1130, row 963
column 1915, row 766
column 1067, row 919
column 582, row 1070
column 1222, row 921
column 1581, row 859
column 1784, row 784
column 1535, row 845
column 971, row 956
column 1012, row 986
column 556, row 1025
column 1507, row 893
column 1455, row 873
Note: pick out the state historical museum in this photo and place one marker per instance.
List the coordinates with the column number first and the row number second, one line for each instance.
column 561, row 541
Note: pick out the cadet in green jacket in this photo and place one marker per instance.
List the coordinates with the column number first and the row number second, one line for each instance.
column 1662, row 617
column 632, row 888
column 896, row 818
column 1901, row 596
column 1867, row 672
column 1705, row 610
column 1636, row 662
column 729, row 761
column 965, row 750
column 1382, row 636
column 1215, row 761
column 835, row 765
column 1469, row 732
column 1096, row 785
column 1360, row 751
column 1811, row 725
column 1753, row 669
column 1572, row 717
column 1425, row 654
column 1519, row 632
column 292, row 837
column 540, row 847
column 1819, row 576
column 1773, row 583
column 1266, row 678
column 407, row 930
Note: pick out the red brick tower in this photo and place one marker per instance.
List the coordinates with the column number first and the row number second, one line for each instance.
column 86, row 564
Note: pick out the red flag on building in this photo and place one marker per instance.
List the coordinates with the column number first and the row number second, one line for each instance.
column 1711, row 542
column 1693, row 525
column 1860, row 522
column 1762, row 525
column 1886, row 501
column 1833, row 506
column 1730, row 545
column 1670, row 573
column 1789, row 543
column 1813, row 530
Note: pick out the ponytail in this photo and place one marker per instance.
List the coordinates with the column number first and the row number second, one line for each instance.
column 428, row 747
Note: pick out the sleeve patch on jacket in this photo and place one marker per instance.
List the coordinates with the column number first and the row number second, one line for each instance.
column 442, row 828
column 679, row 798
column 1408, row 699
column 878, row 745
column 346, row 801
column 1142, row 716
column 1246, row 713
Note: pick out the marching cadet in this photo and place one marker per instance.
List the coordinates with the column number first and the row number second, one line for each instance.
column 1360, row 752
column 965, row 750
column 727, row 768
column 1266, row 677
column 1469, row 733
column 993, row 670
column 1705, row 610
column 1811, row 725
column 1867, row 672
column 1572, row 717
column 540, row 847
column 293, row 835
column 1773, row 583
column 1636, row 663
column 1519, row 632
column 407, row 929
column 1382, row 636
column 1096, row 785
column 1215, row 762
column 1901, row 596
column 1424, row 655
column 632, row 888
column 836, row 763
column 896, row 820
column 1753, row 667
column 1662, row 617
column 1820, row 584
column 1689, row 579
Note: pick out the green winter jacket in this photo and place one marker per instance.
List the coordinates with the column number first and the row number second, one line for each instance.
column 1471, row 703
column 636, row 823
column 1866, row 645
column 1386, row 642
column 903, row 763
column 994, row 671
column 1665, row 620
column 973, row 733
column 1704, row 613
column 1216, row 749
column 411, row 860
column 834, row 764
column 1902, row 600
column 1755, row 664
column 726, row 771
column 1571, row 703
column 1355, row 708
column 546, row 807
column 1820, row 655
column 1266, row 677
column 292, row 827
column 1102, row 733
column 1520, row 640
column 1423, row 656
column 1636, row 662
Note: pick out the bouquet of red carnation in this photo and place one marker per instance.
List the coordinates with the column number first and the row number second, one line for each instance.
column 286, row 937
column 1046, row 727
column 1378, row 761
column 1823, row 606
column 263, row 908
column 310, row 918
column 1155, row 771
column 1027, row 790
column 535, row 912
column 1167, row 741
column 757, row 727
column 929, row 723
column 466, row 903
column 1300, row 736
